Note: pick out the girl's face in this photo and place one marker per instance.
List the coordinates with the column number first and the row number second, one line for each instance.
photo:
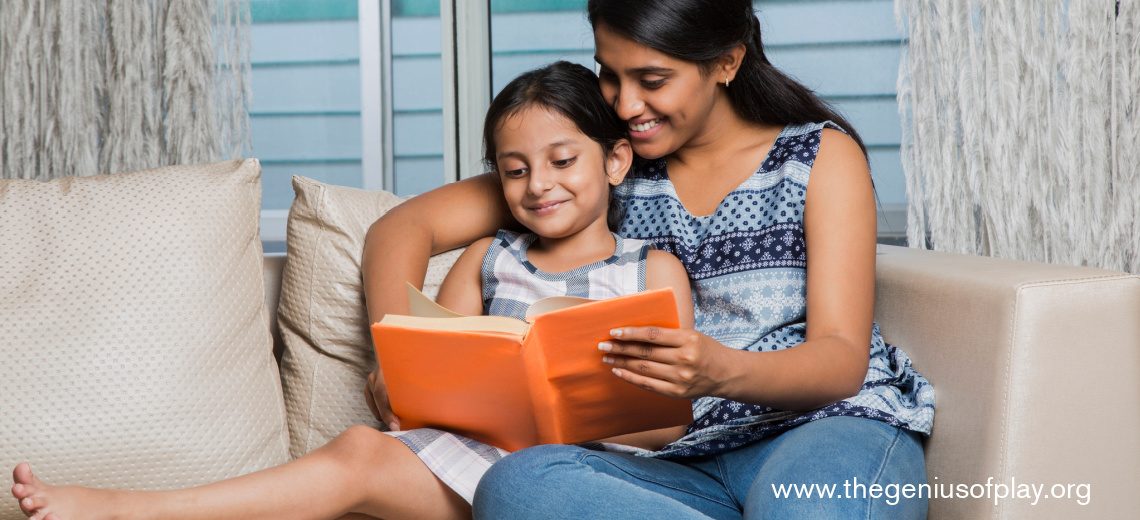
column 666, row 101
column 554, row 177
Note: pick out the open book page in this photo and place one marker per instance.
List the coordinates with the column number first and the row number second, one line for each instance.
column 426, row 314
column 420, row 305
column 553, row 303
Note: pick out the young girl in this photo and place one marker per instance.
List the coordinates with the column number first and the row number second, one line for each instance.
column 765, row 195
column 557, row 150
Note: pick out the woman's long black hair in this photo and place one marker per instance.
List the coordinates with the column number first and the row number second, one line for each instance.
column 703, row 30
column 568, row 89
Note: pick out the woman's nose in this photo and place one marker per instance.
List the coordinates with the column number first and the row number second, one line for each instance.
column 628, row 104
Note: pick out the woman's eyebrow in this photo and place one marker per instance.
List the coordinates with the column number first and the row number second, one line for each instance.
column 639, row 70
column 650, row 70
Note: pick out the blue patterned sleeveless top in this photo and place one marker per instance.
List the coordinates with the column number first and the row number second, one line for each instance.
column 511, row 283
column 747, row 265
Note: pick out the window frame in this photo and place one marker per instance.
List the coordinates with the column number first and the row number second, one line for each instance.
column 466, row 55
column 467, row 61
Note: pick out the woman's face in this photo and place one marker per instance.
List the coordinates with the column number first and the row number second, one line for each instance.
column 666, row 101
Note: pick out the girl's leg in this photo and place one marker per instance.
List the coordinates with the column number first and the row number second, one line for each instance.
column 850, row 460
column 570, row 482
column 360, row 471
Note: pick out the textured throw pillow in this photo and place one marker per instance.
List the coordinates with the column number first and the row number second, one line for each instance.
column 134, row 339
column 324, row 324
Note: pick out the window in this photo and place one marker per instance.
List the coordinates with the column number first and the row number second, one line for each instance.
column 305, row 113
column 391, row 93
column 416, row 97
column 526, row 34
column 848, row 52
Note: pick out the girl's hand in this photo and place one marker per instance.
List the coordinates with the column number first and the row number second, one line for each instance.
column 681, row 363
column 376, row 394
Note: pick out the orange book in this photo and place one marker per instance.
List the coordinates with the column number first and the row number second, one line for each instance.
column 512, row 383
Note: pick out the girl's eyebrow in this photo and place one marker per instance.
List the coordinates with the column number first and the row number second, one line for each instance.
column 551, row 146
column 563, row 142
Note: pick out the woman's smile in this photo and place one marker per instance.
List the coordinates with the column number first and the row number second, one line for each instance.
column 645, row 128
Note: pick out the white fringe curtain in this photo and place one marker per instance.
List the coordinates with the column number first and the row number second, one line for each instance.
column 1021, row 130
column 104, row 86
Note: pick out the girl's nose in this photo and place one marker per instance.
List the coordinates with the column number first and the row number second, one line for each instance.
column 541, row 180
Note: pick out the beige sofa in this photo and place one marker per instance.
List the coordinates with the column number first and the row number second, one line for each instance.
column 1036, row 369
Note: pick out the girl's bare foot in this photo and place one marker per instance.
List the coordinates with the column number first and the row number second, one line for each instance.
column 361, row 470
column 40, row 501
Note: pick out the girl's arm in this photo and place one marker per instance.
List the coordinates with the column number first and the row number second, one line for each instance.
column 462, row 288
column 840, row 230
column 663, row 270
column 397, row 247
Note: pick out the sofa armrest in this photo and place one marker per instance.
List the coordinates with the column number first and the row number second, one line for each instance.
column 274, row 267
column 1036, row 370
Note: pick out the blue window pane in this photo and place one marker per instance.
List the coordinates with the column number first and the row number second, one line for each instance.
column 417, row 97
column 305, row 109
column 529, row 34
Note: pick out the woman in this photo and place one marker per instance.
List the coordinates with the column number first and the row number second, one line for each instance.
column 791, row 381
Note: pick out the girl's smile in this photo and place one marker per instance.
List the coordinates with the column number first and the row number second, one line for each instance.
column 546, row 208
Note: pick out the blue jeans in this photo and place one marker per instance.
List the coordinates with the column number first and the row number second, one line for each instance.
column 858, row 459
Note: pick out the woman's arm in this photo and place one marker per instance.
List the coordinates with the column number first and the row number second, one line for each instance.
column 840, row 230
column 398, row 245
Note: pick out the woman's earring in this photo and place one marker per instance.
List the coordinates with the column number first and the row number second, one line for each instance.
column 726, row 82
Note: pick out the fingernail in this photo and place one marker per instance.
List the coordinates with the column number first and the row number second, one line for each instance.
column 615, row 333
column 617, row 372
column 605, row 346
column 394, row 427
column 608, row 359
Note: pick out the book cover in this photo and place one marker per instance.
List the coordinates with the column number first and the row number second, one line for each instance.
column 513, row 383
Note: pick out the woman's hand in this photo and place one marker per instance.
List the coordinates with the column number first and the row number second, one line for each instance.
column 681, row 363
column 376, row 394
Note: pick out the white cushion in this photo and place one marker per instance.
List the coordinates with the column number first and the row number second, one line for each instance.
column 134, row 344
column 324, row 324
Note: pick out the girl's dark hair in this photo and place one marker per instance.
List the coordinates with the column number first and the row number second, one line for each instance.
column 568, row 89
column 703, row 30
